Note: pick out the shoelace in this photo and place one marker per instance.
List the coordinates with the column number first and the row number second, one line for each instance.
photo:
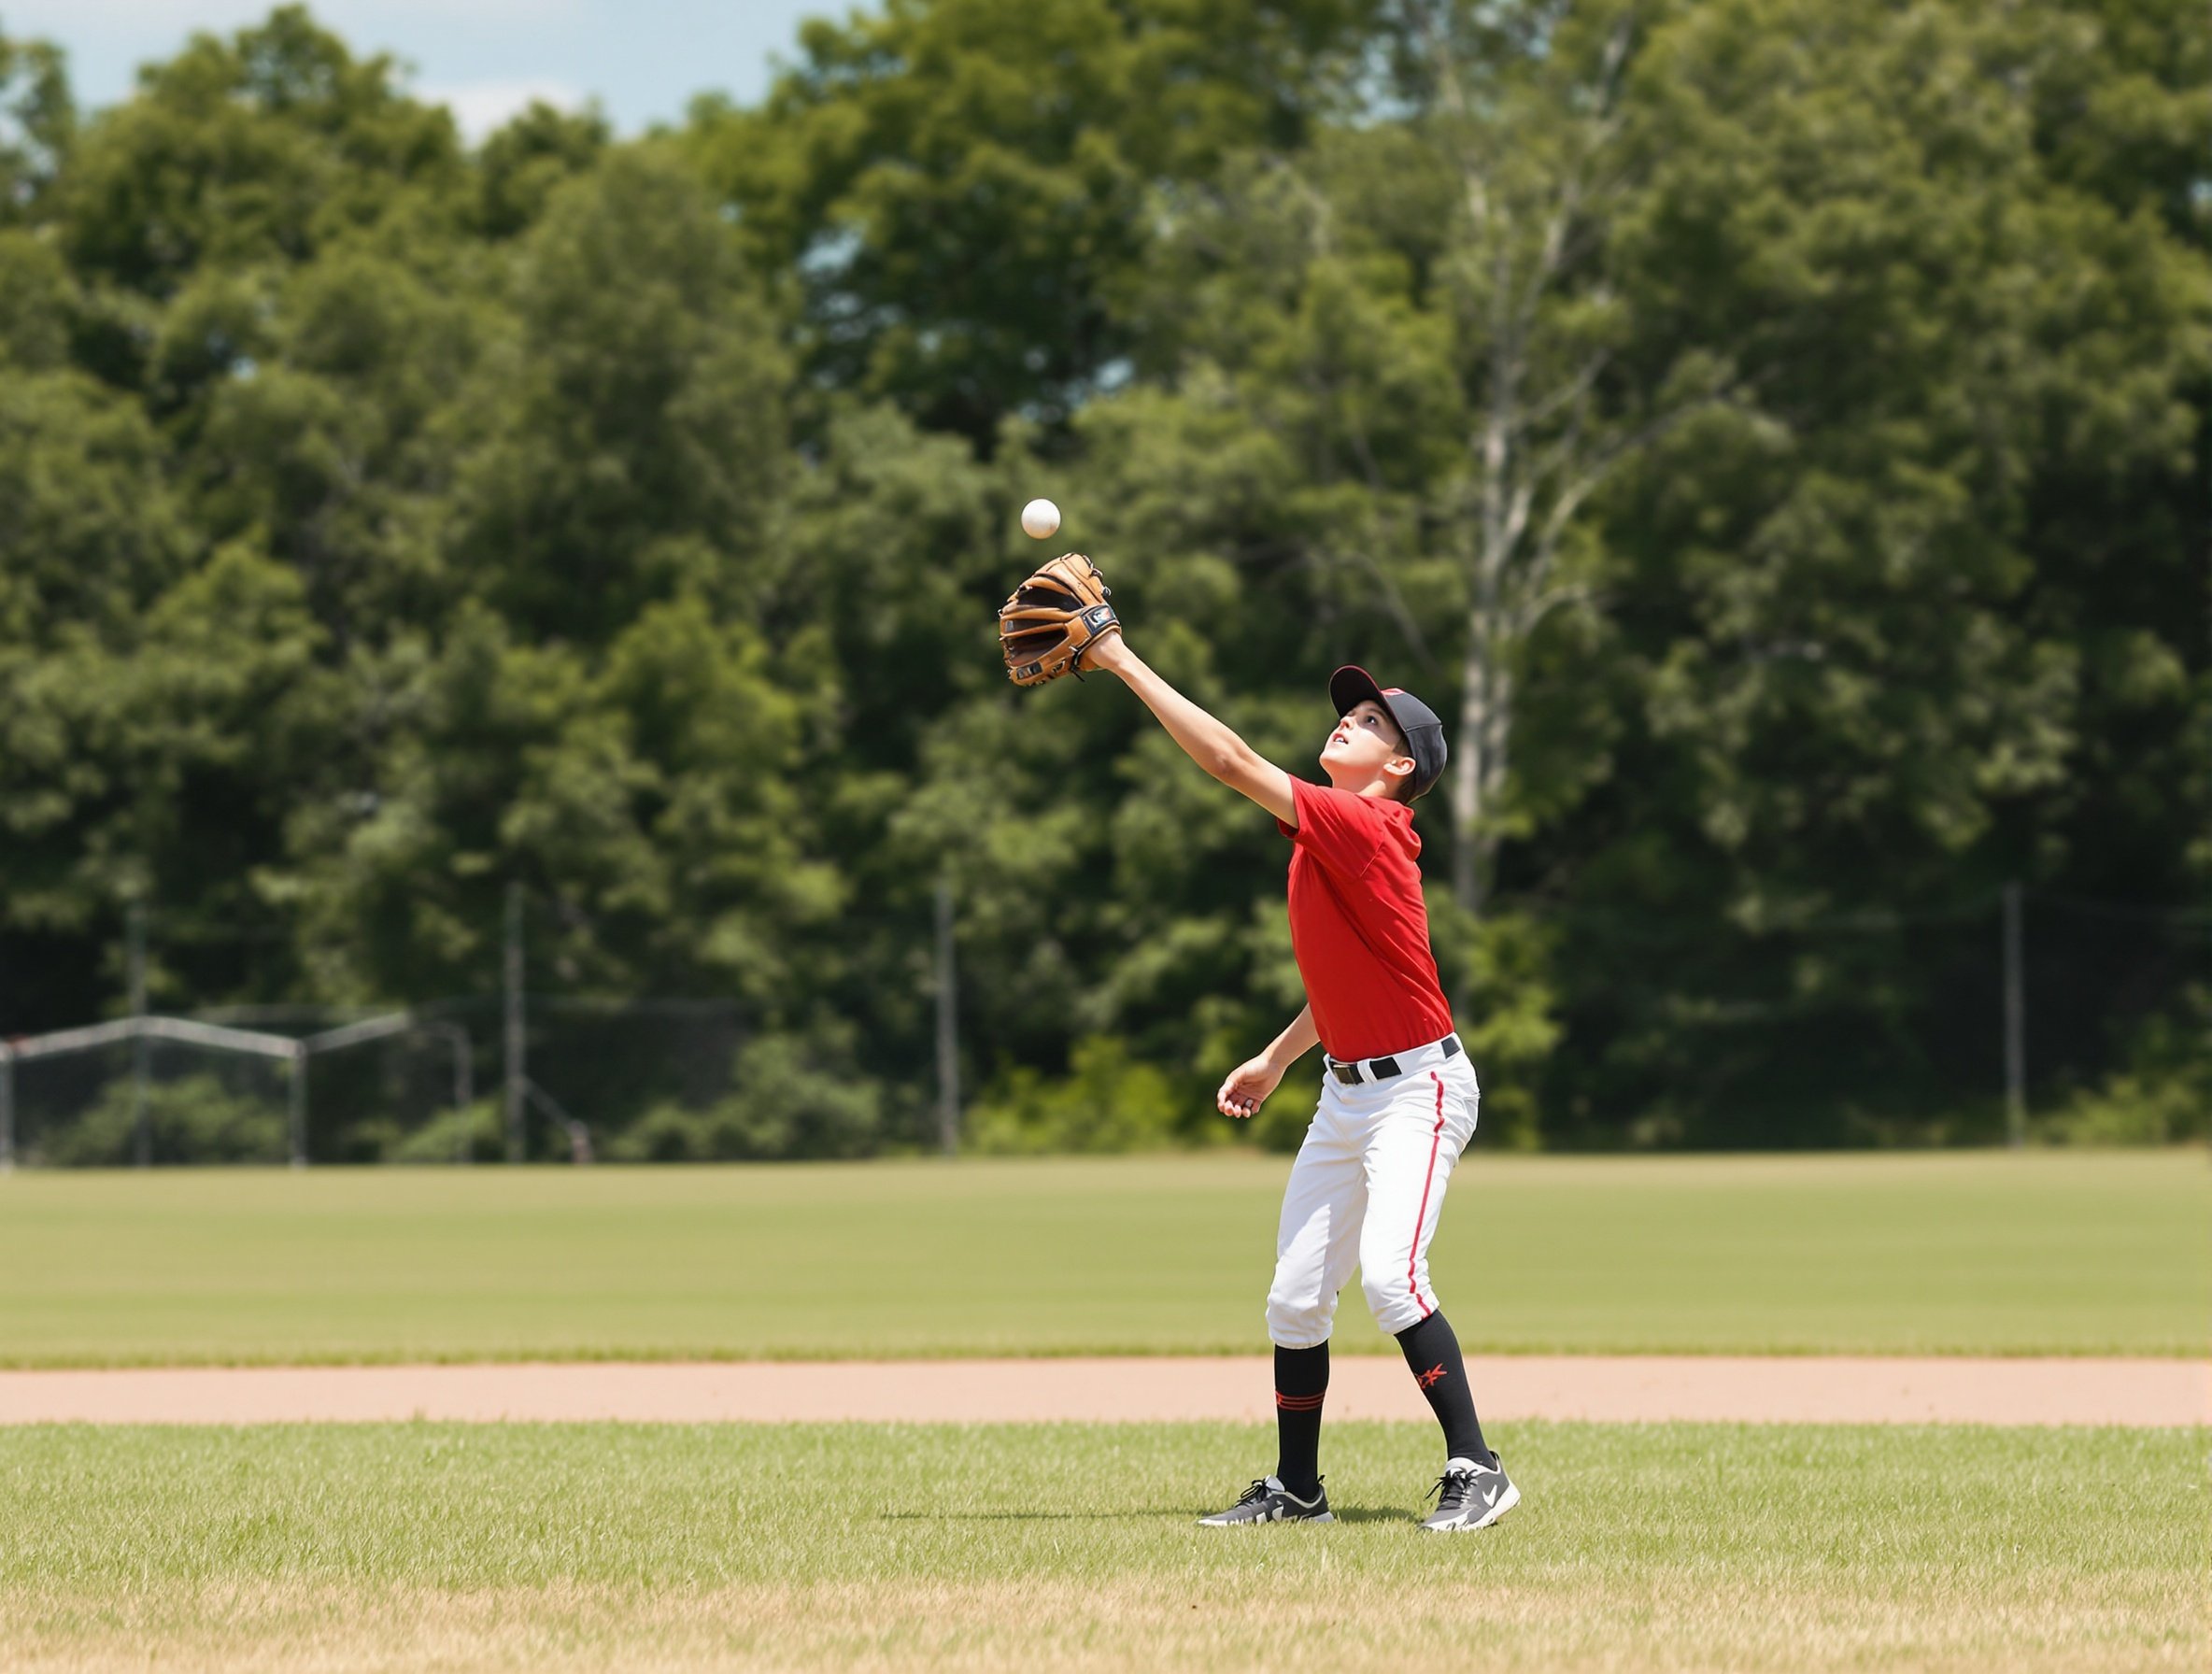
column 1257, row 1491
column 1451, row 1489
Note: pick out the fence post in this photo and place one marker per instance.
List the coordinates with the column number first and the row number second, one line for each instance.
column 141, row 1046
column 2016, row 1025
column 517, row 1041
column 296, row 1093
column 464, row 1090
column 948, row 1033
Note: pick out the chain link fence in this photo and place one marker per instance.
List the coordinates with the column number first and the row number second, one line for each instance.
column 2005, row 1019
column 2080, row 1020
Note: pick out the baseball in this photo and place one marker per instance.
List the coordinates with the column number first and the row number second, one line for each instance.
column 1039, row 518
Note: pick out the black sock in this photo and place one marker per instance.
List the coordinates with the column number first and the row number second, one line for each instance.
column 1432, row 1353
column 1301, row 1380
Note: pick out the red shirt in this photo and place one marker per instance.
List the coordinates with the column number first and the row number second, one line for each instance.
column 1358, row 924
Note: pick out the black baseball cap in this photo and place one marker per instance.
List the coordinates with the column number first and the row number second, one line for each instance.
column 1352, row 684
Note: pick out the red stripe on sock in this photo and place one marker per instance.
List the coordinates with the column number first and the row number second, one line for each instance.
column 1297, row 1403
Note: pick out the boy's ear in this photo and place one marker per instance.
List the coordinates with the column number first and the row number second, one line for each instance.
column 1405, row 767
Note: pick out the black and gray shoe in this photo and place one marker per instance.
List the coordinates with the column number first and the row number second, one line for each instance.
column 1470, row 1495
column 1268, row 1501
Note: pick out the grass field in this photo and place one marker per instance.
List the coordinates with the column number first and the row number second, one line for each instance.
column 821, row 1547
column 2011, row 1255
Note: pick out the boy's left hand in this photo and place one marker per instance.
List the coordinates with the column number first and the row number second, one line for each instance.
column 1055, row 620
column 1107, row 655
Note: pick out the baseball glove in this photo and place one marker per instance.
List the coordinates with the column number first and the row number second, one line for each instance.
column 1052, row 618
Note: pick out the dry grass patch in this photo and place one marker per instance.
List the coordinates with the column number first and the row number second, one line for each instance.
column 1669, row 1548
column 1676, row 1626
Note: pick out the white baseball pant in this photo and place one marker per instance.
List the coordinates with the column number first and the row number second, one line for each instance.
column 1368, row 1188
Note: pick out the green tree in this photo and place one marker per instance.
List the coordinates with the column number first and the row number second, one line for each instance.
column 93, row 539
column 1775, row 431
column 522, row 165
column 633, row 421
column 956, row 187
column 233, row 153
column 647, row 795
column 333, row 439
column 1741, row 331
column 1837, row 592
column 37, row 124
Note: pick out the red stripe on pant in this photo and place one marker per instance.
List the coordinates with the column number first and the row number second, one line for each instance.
column 1436, row 1139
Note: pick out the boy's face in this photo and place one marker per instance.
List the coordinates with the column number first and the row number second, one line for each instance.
column 1363, row 743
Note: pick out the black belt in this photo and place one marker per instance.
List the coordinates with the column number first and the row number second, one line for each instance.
column 1381, row 1068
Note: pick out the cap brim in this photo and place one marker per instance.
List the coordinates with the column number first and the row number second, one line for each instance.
column 1352, row 686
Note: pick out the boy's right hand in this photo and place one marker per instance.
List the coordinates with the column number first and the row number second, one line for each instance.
column 1247, row 1087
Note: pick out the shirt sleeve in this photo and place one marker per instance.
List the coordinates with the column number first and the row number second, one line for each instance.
column 1339, row 830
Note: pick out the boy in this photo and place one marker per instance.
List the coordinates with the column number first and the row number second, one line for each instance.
column 1398, row 1096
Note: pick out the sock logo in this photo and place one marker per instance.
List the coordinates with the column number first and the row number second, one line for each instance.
column 1297, row 1403
column 1432, row 1377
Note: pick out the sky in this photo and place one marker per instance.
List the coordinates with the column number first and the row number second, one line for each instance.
column 641, row 58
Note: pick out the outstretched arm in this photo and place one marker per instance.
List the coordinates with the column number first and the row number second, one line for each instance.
column 1205, row 740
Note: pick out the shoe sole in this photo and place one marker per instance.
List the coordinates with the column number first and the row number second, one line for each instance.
column 1506, row 1502
column 1264, row 1521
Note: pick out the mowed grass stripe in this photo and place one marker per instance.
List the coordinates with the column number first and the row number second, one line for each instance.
column 1001, row 1547
column 2036, row 1254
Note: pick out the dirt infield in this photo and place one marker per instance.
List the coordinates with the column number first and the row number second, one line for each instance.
column 1627, row 1389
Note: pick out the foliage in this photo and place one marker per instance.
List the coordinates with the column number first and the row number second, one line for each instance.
column 1773, row 433
column 1108, row 1102
column 957, row 188
column 2163, row 1096
column 195, row 1119
column 1503, row 963
column 786, row 1103
column 471, row 1135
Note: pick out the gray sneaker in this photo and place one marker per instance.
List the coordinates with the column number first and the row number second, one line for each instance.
column 1470, row 1495
column 1268, row 1501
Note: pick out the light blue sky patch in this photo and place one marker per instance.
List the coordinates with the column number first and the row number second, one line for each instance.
column 644, row 60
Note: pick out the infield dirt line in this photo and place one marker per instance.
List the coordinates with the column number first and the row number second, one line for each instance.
column 1605, row 1389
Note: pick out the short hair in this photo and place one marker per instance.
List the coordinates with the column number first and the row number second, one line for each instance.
column 1402, row 791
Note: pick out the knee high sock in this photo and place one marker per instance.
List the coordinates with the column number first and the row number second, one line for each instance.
column 1301, row 1380
column 1432, row 1354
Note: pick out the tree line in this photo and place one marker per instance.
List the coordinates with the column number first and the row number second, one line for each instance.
column 1772, row 432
